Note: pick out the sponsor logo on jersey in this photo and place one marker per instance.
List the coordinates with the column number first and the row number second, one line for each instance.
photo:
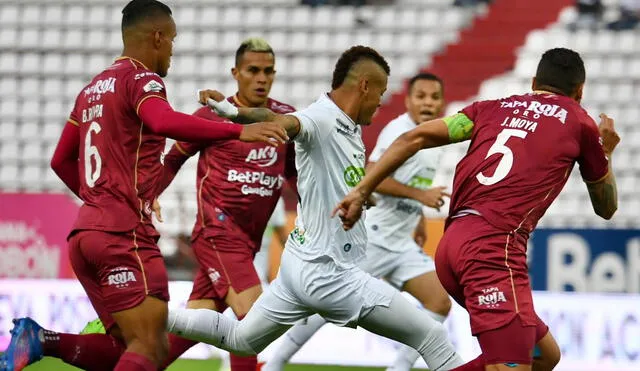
column 120, row 277
column 263, row 157
column 281, row 107
column 346, row 129
column 138, row 76
column 420, row 182
column 353, row 175
column 536, row 109
column 491, row 297
column 265, row 184
column 408, row 207
column 102, row 87
column 152, row 86
column 213, row 274
column 298, row 235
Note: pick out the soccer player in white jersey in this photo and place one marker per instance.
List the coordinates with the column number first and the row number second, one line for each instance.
column 392, row 252
column 319, row 272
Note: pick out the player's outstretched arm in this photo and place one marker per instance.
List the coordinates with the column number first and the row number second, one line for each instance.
column 65, row 158
column 603, row 192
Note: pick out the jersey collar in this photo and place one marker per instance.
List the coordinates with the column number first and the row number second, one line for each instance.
column 325, row 96
column 133, row 60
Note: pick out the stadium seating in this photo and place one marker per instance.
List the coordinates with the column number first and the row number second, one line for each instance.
column 51, row 49
column 613, row 68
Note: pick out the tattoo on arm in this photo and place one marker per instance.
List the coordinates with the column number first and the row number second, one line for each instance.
column 250, row 115
column 290, row 124
column 604, row 195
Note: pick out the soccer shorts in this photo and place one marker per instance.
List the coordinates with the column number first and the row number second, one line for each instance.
column 117, row 270
column 341, row 295
column 485, row 271
column 222, row 267
column 397, row 267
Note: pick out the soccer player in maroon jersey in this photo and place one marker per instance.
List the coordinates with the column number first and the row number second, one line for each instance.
column 522, row 151
column 109, row 155
column 238, row 187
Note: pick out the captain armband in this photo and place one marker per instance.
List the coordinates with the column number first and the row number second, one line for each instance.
column 460, row 127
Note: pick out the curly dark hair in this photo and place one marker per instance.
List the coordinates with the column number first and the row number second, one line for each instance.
column 350, row 57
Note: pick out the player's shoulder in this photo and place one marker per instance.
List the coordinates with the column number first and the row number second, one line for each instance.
column 279, row 107
column 397, row 126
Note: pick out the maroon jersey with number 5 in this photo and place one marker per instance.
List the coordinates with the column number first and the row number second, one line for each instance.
column 522, row 151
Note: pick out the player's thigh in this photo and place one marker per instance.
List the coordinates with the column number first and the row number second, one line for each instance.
column 428, row 290
column 85, row 271
column 549, row 353
column 447, row 263
column 241, row 302
column 280, row 304
column 145, row 323
column 260, row 330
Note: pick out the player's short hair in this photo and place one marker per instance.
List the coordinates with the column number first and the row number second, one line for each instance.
column 253, row 44
column 352, row 56
column 424, row 76
column 561, row 69
column 138, row 10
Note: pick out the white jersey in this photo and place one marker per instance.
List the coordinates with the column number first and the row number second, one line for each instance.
column 390, row 224
column 330, row 160
column 277, row 219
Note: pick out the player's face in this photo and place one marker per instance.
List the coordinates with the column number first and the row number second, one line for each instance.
column 255, row 76
column 165, row 47
column 376, row 87
column 425, row 101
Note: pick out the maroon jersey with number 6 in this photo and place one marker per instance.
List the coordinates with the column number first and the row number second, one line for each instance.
column 522, row 151
column 119, row 160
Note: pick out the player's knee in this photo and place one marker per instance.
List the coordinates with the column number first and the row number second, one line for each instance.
column 440, row 305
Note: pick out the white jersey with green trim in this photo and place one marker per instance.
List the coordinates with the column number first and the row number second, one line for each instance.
column 330, row 159
column 390, row 224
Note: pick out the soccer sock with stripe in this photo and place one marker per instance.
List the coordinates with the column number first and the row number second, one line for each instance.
column 406, row 356
column 92, row 352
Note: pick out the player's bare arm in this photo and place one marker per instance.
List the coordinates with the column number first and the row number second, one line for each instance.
column 432, row 197
column 431, row 134
column 604, row 192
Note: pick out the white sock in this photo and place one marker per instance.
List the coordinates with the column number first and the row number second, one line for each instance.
column 406, row 356
column 292, row 341
column 403, row 322
column 208, row 326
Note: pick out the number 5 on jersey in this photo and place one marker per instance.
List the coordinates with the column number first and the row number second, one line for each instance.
column 506, row 162
column 91, row 151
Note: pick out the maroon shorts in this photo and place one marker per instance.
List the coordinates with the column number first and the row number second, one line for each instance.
column 117, row 270
column 222, row 265
column 485, row 271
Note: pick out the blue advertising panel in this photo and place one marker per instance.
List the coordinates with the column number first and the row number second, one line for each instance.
column 585, row 260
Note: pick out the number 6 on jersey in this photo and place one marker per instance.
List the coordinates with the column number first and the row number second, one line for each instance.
column 506, row 162
column 91, row 176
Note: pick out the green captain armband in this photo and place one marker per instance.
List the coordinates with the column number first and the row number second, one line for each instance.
column 460, row 127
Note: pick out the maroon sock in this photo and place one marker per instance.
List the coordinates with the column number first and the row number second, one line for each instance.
column 92, row 352
column 475, row 365
column 238, row 363
column 134, row 362
column 177, row 346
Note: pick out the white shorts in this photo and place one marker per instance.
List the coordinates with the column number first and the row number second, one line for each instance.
column 341, row 295
column 397, row 267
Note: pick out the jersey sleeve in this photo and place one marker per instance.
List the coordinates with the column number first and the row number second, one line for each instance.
column 593, row 162
column 309, row 126
column 144, row 86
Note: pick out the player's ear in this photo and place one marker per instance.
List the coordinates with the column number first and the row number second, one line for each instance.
column 234, row 73
column 364, row 85
column 157, row 39
column 578, row 95
column 533, row 83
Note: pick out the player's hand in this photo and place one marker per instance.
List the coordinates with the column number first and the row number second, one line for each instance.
column 420, row 234
column 610, row 138
column 433, row 197
column 217, row 102
column 350, row 208
column 156, row 209
column 268, row 132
